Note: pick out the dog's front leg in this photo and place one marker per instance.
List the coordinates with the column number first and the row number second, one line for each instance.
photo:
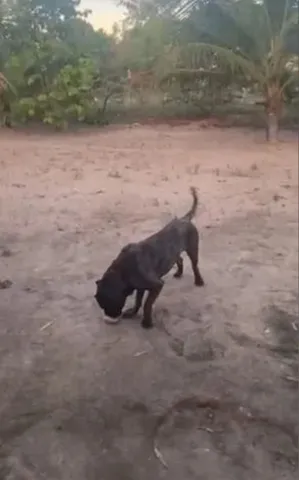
column 147, row 321
column 131, row 312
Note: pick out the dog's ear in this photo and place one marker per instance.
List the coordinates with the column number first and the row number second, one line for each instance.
column 112, row 282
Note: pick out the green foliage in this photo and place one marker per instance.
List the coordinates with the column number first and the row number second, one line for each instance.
column 68, row 98
column 57, row 69
column 142, row 46
column 53, row 58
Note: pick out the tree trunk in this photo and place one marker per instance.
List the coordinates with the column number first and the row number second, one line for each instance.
column 6, row 110
column 273, row 107
column 105, row 103
column 272, row 127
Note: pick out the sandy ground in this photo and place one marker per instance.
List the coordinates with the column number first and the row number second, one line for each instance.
column 210, row 393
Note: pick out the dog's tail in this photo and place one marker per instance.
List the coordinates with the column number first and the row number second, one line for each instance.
column 189, row 215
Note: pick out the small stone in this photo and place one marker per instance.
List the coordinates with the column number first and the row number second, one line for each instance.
column 6, row 252
column 4, row 284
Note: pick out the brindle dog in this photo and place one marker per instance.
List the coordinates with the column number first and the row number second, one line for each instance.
column 140, row 267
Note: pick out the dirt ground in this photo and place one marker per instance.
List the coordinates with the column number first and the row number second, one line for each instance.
column 210, row 393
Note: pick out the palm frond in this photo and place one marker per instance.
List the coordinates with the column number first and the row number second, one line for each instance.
column 198, row 55
column 252, row 22
column 289, row 22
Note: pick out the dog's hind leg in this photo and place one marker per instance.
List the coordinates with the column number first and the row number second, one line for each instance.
column 192, row 252
column 131, row 312
column 147, row 321
column 180, row 268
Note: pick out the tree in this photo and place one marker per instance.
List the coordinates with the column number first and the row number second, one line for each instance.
column 54, row 59
column 142, row 46
column 140, row 10
column 255, row 40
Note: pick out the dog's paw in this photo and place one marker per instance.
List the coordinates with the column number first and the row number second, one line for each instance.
column 177, row 275
column 199, row 282
column 146, row 325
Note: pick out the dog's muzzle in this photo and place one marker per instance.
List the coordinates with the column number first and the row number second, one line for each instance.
column 110, row 312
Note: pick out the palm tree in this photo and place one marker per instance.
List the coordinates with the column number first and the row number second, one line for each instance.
column 255, row 39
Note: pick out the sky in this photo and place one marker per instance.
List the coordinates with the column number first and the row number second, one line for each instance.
column 104, row 13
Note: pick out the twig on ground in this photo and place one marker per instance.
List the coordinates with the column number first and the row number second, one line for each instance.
column 47, row 325
column 206, row 429
column 138, row 354
column 291, row 379
column 159, row 456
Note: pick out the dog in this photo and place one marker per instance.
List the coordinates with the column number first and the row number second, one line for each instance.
column 140, row 267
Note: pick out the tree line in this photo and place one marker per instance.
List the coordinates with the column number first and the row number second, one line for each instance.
column 56, row 68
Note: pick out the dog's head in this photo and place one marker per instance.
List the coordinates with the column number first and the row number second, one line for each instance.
column 111, row 293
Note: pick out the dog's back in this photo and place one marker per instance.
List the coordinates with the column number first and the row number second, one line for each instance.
column 165, row 246
column 176, row 224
